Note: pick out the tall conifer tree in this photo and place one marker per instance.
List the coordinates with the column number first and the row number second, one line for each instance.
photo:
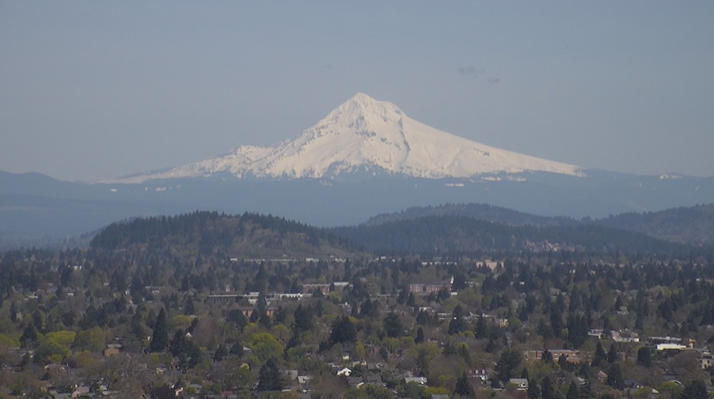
column 160, row 338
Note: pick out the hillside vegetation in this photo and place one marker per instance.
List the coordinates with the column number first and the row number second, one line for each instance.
column 688, row 225
column 211, row 233
column 462, row 235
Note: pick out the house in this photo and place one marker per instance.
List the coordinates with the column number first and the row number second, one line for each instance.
column 374, row 380
column 345, row 371
column 420, row 288
column 222, row 298
column 601, row 376
column 633, row 384
column 520, row 383
column 417, row 380
column 290, row 374
column 112, row 350
column 481, row 374
column 705, row 360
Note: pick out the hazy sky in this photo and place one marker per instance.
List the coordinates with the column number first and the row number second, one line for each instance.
column 95, row 90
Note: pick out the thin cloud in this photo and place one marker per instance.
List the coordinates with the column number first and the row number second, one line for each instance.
column 471, row 70
column 494, row 80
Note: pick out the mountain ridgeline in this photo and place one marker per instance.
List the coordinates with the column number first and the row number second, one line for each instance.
column 457, row 235
column 212, row 233
column 687, row 225
column 257, row 236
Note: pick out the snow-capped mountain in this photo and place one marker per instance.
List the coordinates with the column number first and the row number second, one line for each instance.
column 364, row 134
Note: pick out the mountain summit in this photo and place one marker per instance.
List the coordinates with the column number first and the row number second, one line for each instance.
column 366, row 135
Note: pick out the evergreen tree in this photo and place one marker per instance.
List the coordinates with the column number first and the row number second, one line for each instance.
column 393, row 326
column 237, row 349
column 303, row 319
column 600, row 356
column 160, row 338
column 612, row 354
column 269, row 378
column 420, row 336
column 29, row 336
column 368, row 309
column 696, row 389
column 481, row 328
column 587, row 391
column 547, row 388
column 463, row 387
column 573, row 392
column 343, row 331
column 614, row 376
column 546, row 357
column 411, row 302
column 178, row 344
column 221, row 352
column 237, row 317
column 524, row 374
column 13, row 312
column 457, row 323
column 644, row 357
column 189, row 308
column 533, row 390
column 508, row 362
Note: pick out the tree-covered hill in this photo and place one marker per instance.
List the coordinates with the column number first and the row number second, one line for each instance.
column 209, row 233
column 459, row 235
column 689, row 225
column 485, row 212
column 692, row 225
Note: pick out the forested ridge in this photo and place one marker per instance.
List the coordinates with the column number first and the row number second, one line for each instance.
column 689, row 225
column 461, row 235
column 206, row 233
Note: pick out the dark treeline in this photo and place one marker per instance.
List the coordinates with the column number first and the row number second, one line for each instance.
column 690, row 225
column 455, row 234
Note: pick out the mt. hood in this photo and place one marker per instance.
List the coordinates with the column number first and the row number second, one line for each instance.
column 364, row 134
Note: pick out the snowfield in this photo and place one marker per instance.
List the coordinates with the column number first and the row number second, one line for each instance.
column 364, row 134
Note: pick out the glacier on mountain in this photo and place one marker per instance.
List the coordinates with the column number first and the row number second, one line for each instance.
column 364, row 134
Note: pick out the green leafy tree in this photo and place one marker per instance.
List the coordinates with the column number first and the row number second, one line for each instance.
column 160, row 338
column 92, row 340
column 265, row 346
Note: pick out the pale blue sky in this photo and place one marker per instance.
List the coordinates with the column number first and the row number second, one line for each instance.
column 95, row 90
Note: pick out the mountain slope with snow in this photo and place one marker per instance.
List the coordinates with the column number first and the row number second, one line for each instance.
column 364, row 134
